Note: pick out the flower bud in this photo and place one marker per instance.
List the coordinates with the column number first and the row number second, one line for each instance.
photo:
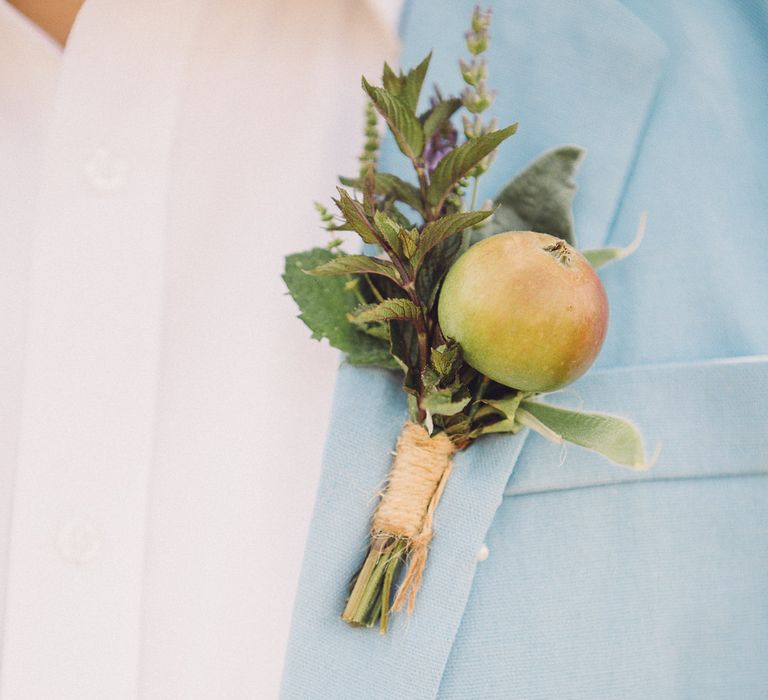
column 480, row 20
column 474, row 71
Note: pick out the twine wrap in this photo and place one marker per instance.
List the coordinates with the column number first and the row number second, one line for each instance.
column 416, row 481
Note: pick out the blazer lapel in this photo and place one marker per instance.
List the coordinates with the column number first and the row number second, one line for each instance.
column 326, row 657
column 582, row 73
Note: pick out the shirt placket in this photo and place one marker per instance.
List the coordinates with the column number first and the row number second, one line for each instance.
column 93, row 353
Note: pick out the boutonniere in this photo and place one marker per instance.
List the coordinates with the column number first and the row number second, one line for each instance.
column 481, row 309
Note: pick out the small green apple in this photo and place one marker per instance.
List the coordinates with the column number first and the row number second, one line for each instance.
column 528, row 310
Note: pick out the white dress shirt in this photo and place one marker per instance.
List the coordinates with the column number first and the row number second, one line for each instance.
column 163, row 411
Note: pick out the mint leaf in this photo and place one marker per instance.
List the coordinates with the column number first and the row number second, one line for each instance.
column 392, row 82
column 456, row 164
column 540, row 197
column 388, row 185
column 611, row 436
column 324, row 303
column 412, row 83
column 389, row 230
column 437, row 231
column 403, row 124
column 439, row 114
column 355, row 216
column 387, row 310
column 356, row 264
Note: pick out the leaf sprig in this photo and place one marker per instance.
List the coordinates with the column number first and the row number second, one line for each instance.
column 379, row 307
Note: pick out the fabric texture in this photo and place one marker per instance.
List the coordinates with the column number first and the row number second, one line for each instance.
column 157, row 471
column 600, row 582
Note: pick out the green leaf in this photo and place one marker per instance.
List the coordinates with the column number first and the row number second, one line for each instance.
column 456, row 164
column 439, row 114
column 434, row 268
column 402, row 121
column 388, row 185
column 324, row 303
column 387, row 310
column 602, row 256
column 393, row 83
column 412, row 83
column 443, row 403
column 437, row 231
column 369, row 190
column 508, row 406
column 540, row 197
column 356, row 264
column 389, row 229
column 445, row 358
column 409, row 241
column 355, row 215
column 403, row 344
column 611, row 436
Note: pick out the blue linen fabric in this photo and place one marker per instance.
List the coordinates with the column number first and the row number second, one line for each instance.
column 601, row 582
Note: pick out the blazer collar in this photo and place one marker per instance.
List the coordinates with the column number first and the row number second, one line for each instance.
column 583, row 73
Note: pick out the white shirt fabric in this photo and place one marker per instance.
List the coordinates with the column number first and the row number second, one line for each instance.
column 163, row 411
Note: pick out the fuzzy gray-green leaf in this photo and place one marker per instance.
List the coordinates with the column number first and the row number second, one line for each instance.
column 614, row 437
column 540, row 197
column 458, row 163
column 602, row 256
column 508, row 406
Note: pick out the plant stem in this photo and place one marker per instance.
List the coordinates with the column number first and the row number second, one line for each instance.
column 480, row 394
column 473, row 201
column 467, row 235
column 370, row 599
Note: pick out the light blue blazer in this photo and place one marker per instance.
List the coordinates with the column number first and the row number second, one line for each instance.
column 600, row 582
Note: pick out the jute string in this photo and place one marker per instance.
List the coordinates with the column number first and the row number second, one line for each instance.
column 416, row 482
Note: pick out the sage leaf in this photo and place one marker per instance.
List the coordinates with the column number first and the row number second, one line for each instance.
column 437, row 231
column 356, row 264
column 403, row 123
column 458, row 162
column 540, row 197
column 602, row 256
column 387, row 310
column 508, row 406
column 614, row 437
column 324, row 303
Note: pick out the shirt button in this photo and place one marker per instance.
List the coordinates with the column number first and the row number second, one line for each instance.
column 482, row 553
column 79, row 541
column 105, row 170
